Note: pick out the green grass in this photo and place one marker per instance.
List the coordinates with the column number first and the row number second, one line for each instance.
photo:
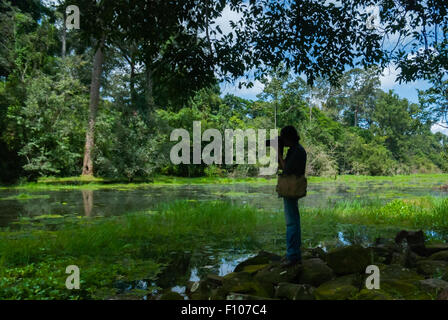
column 94, row 183
column 139, row 245
column 26, row 196
column 120, row 247
column 417, row 178
column 91, row 183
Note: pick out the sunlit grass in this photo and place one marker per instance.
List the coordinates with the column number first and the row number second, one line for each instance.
column 94, row 183
column 126, row 244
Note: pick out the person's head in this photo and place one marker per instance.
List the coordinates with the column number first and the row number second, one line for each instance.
column 289, row 136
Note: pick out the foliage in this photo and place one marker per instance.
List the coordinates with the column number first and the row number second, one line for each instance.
column 156, row 80
column 140, row 245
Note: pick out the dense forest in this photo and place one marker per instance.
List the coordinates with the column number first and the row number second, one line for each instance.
column 92, row 205
column 49, row 112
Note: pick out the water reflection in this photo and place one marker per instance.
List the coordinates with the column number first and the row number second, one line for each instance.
column 107, row 202
column 87, row 198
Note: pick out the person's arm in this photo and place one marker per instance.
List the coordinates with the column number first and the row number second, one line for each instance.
column 281, row 161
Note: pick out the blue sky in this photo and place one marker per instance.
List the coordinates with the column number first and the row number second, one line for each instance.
column 388, row 78
column 404, row 90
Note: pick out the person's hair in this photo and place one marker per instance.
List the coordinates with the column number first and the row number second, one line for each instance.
column 290, row 133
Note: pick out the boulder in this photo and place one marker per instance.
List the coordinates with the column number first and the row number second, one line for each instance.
column 433, row 268
column 433, row 248
column 276, row 273
column 347, row 260
column 398, row 272
column 263, row 257
column 384, row 249
column 315, row 272
column 292, row 291
column 372, row 294
column 443, row 295
column 440, row 255
column 242, row 296
column 433, row 286
column 401, row 283
column 406, row 258
column 203, row 290
column 403, row 289
column 341, row 288
column 252, row 269
column 243, row 282
column 171, row 295
column 310, row 253
column 215, row 279
column 415, row 240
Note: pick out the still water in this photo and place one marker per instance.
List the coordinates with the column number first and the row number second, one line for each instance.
column 108, row 202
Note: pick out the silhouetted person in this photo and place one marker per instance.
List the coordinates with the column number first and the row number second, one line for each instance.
column 294, row 163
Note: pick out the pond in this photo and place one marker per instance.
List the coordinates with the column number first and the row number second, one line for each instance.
column 104, row 202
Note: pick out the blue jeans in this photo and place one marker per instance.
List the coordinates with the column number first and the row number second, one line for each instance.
column 293, row 233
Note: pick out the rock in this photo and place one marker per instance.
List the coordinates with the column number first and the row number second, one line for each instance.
column 384, row 250
column 292, row 291
column 215, row 279
column 243, row 282
column 204, row 289
column 398, row 258
column 347, row 260
column 189, row 285
column 443, row 295
column 275, row 273
column 242, row 296
column 263, row 257
column 252, row 269
column 401, row 283
column 403, row 289
column 397, row 272
column 373, row 294
column 433, row 268
column 441, row 255
column 315, row 272
column 341, row 288
column 406, row 258
column 171, row 295
column 311, row 253
column 433, row 248
column 414, row 239
column 433, row 286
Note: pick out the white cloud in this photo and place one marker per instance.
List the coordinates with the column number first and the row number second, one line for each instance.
column 436, row 128
column 227, row 16
column 247, row 93
column 406, row 90
column 388, row 78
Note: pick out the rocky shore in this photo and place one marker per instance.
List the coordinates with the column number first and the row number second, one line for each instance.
column 408, row 269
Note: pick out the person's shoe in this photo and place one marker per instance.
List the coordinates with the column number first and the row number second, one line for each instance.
column 290, row 263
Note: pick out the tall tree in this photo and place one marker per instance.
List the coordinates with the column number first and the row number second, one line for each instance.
column 323, row 38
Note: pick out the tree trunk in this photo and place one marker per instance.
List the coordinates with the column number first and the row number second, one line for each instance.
column 132, row 84
column 87, row 168
column 149, row 88
column 356, row 116
column 64, row 38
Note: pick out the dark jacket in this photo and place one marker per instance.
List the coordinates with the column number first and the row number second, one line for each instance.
column 295, row 161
